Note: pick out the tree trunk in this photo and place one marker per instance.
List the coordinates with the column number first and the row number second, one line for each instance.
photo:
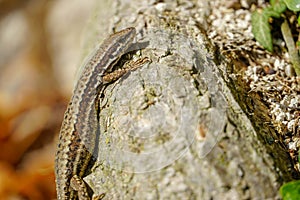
column 183, row 126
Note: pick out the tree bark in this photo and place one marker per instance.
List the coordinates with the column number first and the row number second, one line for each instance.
column 183, row 126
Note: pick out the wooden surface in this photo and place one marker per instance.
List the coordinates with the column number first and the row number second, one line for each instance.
column 184, row 126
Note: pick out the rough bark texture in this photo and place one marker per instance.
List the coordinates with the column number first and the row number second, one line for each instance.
column 183, row 126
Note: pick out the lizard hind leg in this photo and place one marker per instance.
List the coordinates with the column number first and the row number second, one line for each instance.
column 79, row 185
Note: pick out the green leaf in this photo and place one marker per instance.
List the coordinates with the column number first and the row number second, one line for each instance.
column 278, row 6
column 290, row 191
column 270, row 12
column 293, row 5
column 261, row 30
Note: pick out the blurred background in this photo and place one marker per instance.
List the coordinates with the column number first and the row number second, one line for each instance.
column 40, row 44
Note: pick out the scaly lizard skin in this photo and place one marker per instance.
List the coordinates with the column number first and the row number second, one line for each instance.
column 79, row 130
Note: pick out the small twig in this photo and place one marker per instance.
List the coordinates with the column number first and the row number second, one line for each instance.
column 294, row 56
